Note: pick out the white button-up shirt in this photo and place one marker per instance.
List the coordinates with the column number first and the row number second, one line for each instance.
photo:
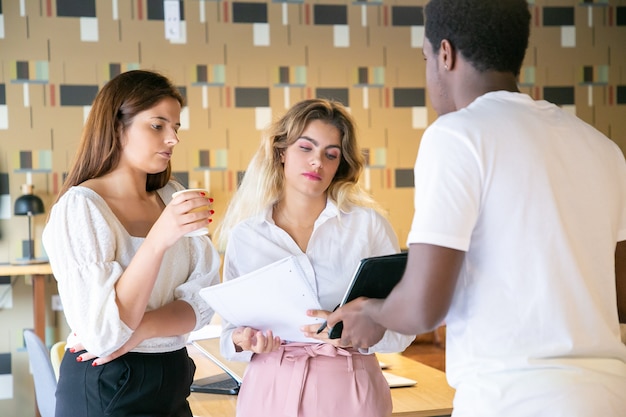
column 338, row 242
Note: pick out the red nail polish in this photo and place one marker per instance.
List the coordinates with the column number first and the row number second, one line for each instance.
column 210, row 200
column 72, row 350
column 79, row 359
column 210, row 220
column 211, row 211
column 202, row 193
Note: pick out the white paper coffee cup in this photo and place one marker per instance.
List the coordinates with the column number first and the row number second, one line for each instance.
column 203, row 230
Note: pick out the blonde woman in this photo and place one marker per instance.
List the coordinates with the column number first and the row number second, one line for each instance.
column 300, row 196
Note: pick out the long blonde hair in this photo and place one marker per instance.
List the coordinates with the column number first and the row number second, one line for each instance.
column 263, row 183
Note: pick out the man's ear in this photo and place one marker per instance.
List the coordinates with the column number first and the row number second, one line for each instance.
column 447, row 55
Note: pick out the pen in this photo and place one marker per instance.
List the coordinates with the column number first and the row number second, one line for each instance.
column 323, row 326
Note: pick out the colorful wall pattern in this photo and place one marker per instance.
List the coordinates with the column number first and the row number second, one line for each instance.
column 240, row 64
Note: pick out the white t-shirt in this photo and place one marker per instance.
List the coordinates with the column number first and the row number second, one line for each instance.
column 89, row 249
column 338, row 242
column 537, row 200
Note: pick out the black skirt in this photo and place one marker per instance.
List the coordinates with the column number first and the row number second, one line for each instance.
column 133, row 385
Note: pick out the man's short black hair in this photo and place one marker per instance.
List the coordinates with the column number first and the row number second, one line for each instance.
column 490, row 34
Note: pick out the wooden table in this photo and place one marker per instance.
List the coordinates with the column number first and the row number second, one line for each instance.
column 432, row 396
column 39, row 273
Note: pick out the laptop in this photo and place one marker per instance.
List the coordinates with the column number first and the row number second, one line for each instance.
column 228, row 382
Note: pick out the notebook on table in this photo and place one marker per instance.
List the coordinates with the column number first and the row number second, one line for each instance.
column 397, row 381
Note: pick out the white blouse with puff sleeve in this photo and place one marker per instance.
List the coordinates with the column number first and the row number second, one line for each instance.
column 89, row 249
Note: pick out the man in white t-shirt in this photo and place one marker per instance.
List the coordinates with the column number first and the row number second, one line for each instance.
column 518, row 237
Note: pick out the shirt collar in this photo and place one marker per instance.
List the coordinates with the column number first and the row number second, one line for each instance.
column 329, row 212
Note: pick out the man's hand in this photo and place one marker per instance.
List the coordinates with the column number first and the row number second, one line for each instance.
column 359, row 330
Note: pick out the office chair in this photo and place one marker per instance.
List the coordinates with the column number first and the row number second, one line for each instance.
column 56, row 356
column 43, row 374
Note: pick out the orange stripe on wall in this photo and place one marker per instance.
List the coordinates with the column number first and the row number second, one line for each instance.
column 230, row 180
column 610, row 95
column 55, row 183
column 227, row 92
column 385, row 15
column 307, row 14
column 388, row 178
column 537, row 16
column 139, row 9
column 225, row 7
column 49, row 8
column 387, row 99
column 53, row 97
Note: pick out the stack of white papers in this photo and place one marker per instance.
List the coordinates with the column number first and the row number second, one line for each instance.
column 275, row 297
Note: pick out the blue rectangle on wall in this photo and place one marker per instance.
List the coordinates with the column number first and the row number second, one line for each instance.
column 338, row 94
column 78, row 95
column 620, row 12
column 558, row 16
column 115, row 70
column 26, row 160
column 409, row 97
column 5, row 363
column 621, row 94
column 76, row 8
column 202, row 73
column 156, row 11
column 559, row 95
column 407, row 16
column 183, row 92
column 283, row 75
column 249, row 12
column 4, row 183
column 587, row 74
column 21, row 70
column 326, row 14
column 405, row 178
column 3, row 96
column 252, row 97
column 363, row 75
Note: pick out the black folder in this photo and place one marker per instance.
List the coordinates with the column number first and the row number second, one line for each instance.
column 374, row 277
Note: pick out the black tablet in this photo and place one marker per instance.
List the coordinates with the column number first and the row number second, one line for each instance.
column 374, row 278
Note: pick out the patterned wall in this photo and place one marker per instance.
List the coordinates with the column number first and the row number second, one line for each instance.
column 240, row 64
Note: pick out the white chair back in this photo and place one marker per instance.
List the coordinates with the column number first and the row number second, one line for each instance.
column 43, row 374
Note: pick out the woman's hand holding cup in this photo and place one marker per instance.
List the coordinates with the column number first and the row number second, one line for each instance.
column 196, row 202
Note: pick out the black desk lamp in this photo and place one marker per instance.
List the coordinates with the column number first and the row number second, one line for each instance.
column 29, row 205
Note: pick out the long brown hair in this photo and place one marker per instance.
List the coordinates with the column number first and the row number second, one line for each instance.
column 113, row 110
